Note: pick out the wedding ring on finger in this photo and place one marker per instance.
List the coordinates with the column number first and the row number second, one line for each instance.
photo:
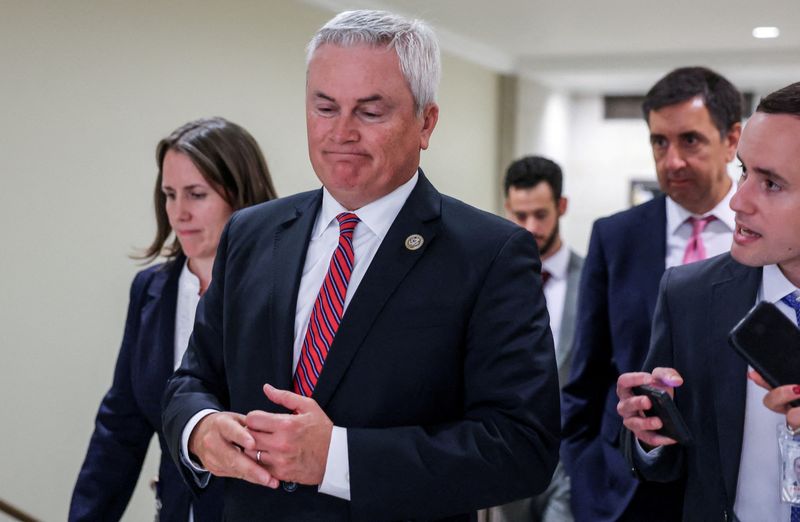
column 258, row 456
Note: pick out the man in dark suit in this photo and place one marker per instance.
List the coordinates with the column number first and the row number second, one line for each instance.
column 402, row 335
column 693, row 115
column 732, row 469
column 534, row 200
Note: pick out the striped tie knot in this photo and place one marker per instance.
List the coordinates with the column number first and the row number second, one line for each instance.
column 347, row 223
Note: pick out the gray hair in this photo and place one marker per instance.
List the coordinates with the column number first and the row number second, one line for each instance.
column 413, row 40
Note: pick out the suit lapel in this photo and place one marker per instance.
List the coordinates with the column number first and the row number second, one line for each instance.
column 289, row 253
column 732, row 295
column 652, row 259
column 419, row 215
column 158, row 359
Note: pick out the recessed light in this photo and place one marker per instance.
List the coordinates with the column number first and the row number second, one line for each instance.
column 766, row 32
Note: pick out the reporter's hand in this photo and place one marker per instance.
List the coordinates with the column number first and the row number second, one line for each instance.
column 779, row 399
column 219, row 441
column 631, row 407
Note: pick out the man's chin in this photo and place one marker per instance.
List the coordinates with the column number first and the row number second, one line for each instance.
column 746, row 256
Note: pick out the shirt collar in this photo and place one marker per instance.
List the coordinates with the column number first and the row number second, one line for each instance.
column 677, row 215
column 378, row 216
column 774, row 285
column 187, row 281
column 556, row 264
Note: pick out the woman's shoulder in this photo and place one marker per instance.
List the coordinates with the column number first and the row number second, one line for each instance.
column 153, row 278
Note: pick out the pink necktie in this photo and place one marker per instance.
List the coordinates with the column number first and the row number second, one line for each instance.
column 695, row 249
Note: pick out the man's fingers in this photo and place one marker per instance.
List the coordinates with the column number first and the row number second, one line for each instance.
column 626, row 381
column 290, row 401
column 669, row 377
column 243, row 467
column 633, row 406
column 266, row 422
column 234, row 431
column 644, row 428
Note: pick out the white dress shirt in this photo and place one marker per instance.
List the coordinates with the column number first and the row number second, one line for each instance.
column 717, row 236
column 375, row 220
column 758, row 488
column 555, row 291
column 188, row 297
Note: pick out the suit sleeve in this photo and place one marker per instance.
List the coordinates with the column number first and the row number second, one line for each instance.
column 505, row 446
column 668, row 466
column 121, row 436
column 592, row 374
column 199, row 382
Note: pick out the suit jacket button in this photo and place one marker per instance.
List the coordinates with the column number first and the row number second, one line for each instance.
column 289, row 487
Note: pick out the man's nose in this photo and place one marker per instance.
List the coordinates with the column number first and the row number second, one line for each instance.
column 532, row 225
column 673, row 158
column 345, row 130
column 742, row 202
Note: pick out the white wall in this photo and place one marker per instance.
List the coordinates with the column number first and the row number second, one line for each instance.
column 599, row 157
column 88, row 88
column 603, row 157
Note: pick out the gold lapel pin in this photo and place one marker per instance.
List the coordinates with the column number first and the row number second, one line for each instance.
column 414, row 241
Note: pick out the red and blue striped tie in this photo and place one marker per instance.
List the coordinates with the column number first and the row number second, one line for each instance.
column 328, row 309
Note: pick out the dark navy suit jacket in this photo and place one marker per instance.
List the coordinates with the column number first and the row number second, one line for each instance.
column 130, row 413
column 619, row 286
column 442, row 369
column 698, row 305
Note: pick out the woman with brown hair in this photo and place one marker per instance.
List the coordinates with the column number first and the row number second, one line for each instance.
column 207, row 169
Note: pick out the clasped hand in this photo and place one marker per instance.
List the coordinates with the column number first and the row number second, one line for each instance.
column 632, row 407
column 292, row 447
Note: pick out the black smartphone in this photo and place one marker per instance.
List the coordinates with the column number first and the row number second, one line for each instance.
column 770, row 343
column 664, row 408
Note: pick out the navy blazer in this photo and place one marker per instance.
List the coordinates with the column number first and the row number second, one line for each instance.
column 130, row 413
column 698, row 305
column 619, row 286
column 442, row 369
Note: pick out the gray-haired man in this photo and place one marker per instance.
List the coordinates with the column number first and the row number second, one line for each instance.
column 402, row 335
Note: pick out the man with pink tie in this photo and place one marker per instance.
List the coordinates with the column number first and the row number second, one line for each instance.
column 693, row 115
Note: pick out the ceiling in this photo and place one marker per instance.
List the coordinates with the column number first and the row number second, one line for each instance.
column 619, row 46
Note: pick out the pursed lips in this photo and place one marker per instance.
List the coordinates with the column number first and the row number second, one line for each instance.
column 344, row 153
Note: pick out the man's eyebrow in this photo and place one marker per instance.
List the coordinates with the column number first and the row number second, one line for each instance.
column 771, row 175
column 324, row 96
column 374, row 97
column 367, row 99
column 764, row 171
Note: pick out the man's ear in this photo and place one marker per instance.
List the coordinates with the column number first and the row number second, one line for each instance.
column 430, row 115
column 562, row 206
column 732, row 139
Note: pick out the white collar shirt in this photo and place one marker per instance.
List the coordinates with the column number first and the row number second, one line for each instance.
column 555, row 291
column 717, row 235
column 757, row 490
